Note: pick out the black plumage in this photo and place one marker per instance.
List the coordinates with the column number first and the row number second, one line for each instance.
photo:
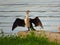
column 20, row 22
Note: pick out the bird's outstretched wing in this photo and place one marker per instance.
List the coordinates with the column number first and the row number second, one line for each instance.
column 18, row 22
column 36, row 21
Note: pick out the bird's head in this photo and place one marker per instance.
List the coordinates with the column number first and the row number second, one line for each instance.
column 27, row 12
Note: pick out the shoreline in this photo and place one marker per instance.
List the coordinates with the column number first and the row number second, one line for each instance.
column 52, row 36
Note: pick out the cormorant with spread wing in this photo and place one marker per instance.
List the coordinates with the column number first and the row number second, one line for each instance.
column 27, row 22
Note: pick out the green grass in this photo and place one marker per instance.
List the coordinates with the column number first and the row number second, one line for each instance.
column 28, row 40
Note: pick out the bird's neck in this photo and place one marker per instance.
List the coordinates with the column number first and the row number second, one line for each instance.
column 27, row 15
